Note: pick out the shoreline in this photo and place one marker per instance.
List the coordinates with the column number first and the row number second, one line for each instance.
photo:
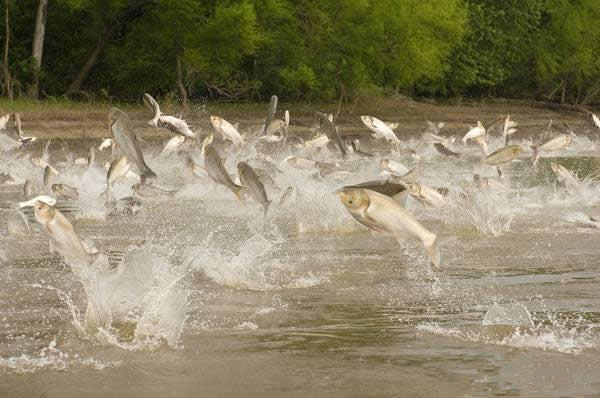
column 89, row 120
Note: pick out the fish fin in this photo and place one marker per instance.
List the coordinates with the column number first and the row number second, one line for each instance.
column 401, row 198
column 434, row 253
column 239, row 192
column 499, row 171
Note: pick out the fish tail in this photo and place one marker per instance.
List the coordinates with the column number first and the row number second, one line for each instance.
column 434, row 253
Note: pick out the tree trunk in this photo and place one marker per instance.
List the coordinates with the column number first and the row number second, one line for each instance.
column 76, row 85
column 38, row 46
column 180, row 84
column 5, row 70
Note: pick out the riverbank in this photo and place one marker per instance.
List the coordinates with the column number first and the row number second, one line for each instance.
column 72, row 120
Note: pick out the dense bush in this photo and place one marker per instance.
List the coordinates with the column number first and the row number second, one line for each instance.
column 315, row 50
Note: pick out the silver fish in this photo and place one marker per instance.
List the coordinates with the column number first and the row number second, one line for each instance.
column 559, row 142
column 564, row 175
column 286, row 196
column 66, row 191
column 383, row 214
column 150, row 191
column 216, row 171
column 331, row 131
column 425, row 195
column 171, row 123
column 124, row 138
column 256, row 189
column 503, row 155
column 445, row 151
column 190, row 164
column 117, row 170
column 62, row 235
column 271, row 110
column 48, row 174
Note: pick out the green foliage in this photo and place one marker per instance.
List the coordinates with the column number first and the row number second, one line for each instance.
column 568, row 47
column 313, row 49
column 498, row 42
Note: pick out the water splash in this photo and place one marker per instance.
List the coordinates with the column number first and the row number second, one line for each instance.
column 513, row 326
column 140, row 305
column 52, row 358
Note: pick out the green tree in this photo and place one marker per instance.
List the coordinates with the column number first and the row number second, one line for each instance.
column 497, row 46
column 567, row 50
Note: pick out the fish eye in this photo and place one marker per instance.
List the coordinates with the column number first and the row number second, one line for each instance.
column 350, row 201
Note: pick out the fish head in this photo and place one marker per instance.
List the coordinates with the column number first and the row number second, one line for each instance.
column 43, row 212
column 413, row 188
column 355, row 200
column 555, row 167
column 242, row 166
column 136, row 187
column 56, row 187
column 366, row 119
column 216, row 121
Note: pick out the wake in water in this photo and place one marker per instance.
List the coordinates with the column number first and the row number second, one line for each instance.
column 513, row 325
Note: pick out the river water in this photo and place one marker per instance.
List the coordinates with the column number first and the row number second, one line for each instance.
column 210, row 300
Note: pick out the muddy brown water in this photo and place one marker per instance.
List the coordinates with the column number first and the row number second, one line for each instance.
column 309, row 303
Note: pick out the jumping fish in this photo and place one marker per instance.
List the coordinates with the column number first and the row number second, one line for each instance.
column 60, row 231
column 171, row 123
column 124, row 138
column 117, row 170
column 425, row 195
column 256, row 189
column 65, row 191
column 476, row 131
column 509, row 128
column 151, row 191
column 383, row 214
column 271, row 110
column 381, row 129
column 564, row 175
column 227, row 130
column 445, row 151
column 331, row 131
column 394, row 167
column 503, row 155
column 559, row 142
column 216, row 171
